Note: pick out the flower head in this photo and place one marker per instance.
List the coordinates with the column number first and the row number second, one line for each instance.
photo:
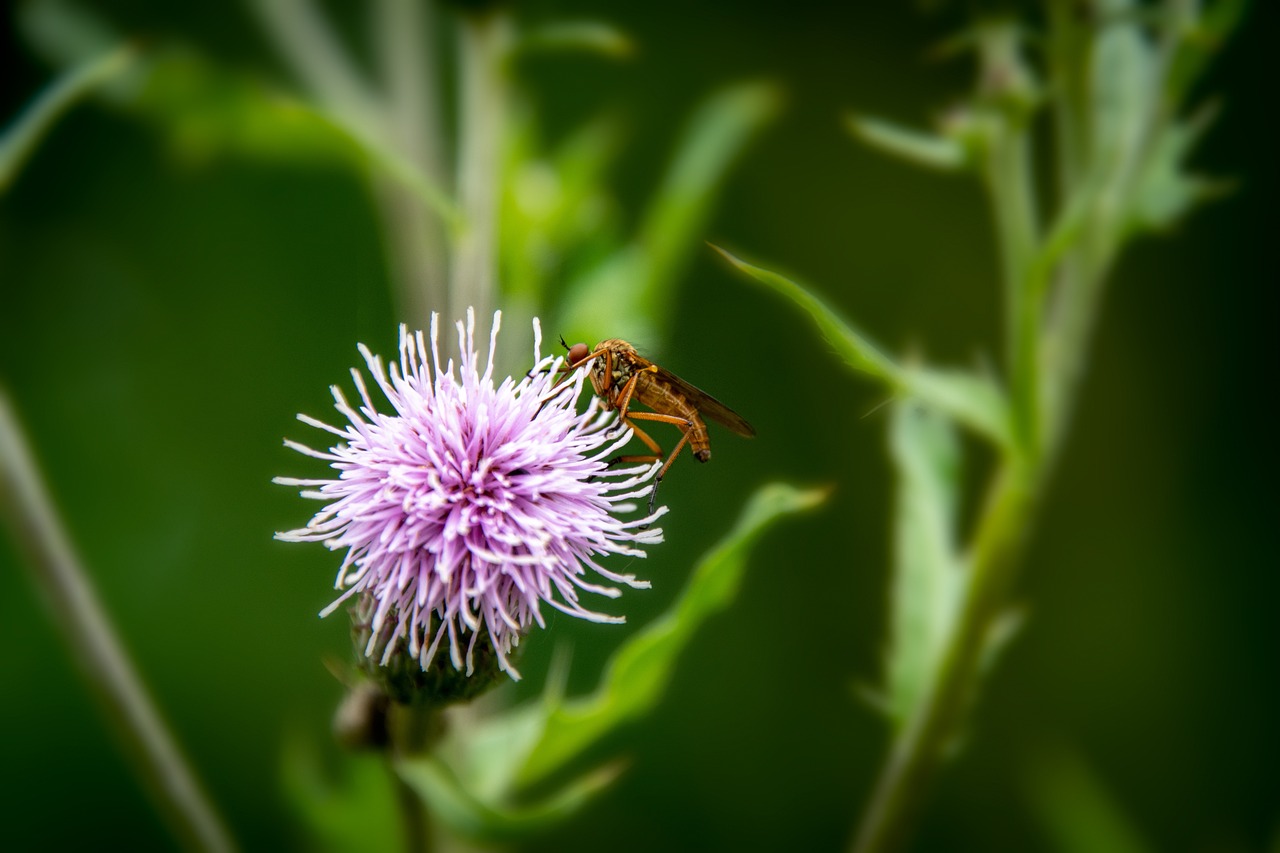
column 471, row 505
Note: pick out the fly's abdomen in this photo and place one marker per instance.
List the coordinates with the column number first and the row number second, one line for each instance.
column 698, row 439
column 660, row 397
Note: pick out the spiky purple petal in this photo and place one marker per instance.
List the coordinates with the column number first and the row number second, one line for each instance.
column 472, row 504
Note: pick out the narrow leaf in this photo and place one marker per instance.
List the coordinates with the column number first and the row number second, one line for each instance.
column 65, row 33
column 923, row 149
column 972, row 400
column 21, row 137
column 855, row 348
column 476, row 820
column 586, row 36
column 557, row 217
column 926, row 576
column 631, row 292
column 350, row 808
column 637, row 675
column 1123, row 86
column 716, row 135
column 1166, row 191
column 1000, row 634
column 1208, row 29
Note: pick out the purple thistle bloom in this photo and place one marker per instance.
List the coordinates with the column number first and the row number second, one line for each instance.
column 472, row 504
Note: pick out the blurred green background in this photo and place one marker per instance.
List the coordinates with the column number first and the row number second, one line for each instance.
column 166, row 311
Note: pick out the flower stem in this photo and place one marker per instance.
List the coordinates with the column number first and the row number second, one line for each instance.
column 413, row 728
column 1013, row 203
column 34, row 523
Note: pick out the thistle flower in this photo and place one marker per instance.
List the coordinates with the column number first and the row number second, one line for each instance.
column 471, row 506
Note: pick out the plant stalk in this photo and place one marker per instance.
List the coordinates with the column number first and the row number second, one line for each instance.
column 1009, row 185
column 58, row 571
column 482, row 98
column 413, row 729
column 920, row 748
column 416, row 246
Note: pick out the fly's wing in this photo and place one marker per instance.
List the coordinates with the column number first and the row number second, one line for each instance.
column 709, row 406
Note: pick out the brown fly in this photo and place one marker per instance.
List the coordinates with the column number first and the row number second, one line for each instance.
column 622, row 377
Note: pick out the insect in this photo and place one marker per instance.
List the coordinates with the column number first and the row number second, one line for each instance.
column 622, row 377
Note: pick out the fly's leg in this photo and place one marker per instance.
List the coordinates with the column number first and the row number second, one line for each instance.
column 622, row 402
column 648, row 442
column 684, row 425
column 647, row 457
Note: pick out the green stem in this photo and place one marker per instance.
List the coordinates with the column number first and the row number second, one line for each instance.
column 482, row 97
column 40, row 534
column 304, row 38
column 1009, row 184
column 921, row 745
column 413, row 814
column 920, row 748
column 413, row 729
column 1047, row 358
column 1084, row 270
column 1067, row 48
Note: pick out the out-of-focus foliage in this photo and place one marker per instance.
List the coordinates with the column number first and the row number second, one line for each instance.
column 1081, row 815
column 971, row 399
column 349, row 807
column 640, row 671
column 927, row 566
column 21, row 137
column 474, row 779
column 188, row 258
column 626, row 285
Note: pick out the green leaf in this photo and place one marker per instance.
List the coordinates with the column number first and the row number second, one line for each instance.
column 853, row 346
column 205, row 110
column 1201, row 38
column 65, row 33
column 972, row 400
column 350, row 809
column 1000, row 634
column 926, row 580
column 571, row 36
column 605, row 302
column 1122, row 79
column 489, row 753
column 630, row 293
column 942, row 153
column 1165, row 190
column 674, row 220
column 557, row 218
column 637, row 675
column 468, row 816
column 21, row 137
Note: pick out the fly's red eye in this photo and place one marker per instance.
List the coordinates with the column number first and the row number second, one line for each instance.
column 578, row 352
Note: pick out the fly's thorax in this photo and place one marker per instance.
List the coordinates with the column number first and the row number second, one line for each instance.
column 612, row 368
